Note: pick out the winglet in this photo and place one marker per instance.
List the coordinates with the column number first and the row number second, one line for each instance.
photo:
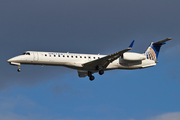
column 131, row 45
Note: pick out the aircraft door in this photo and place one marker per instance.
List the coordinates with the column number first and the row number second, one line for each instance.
column 36, row 57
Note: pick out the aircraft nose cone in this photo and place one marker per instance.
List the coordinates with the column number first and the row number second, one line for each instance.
column 10, row 60
column 16, row 59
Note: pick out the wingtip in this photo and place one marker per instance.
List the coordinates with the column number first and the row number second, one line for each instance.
column 170, row 38
column 131, row 45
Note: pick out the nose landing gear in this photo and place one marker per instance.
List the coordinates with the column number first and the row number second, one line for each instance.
column 19, row 69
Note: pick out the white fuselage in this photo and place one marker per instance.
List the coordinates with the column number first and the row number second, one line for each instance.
column 75, row 61
column 88, row 64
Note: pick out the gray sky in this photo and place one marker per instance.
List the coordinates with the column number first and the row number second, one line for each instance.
column 82, row 26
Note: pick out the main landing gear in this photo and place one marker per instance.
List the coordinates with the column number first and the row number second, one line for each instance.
column 101, row 72
column 91, row 77
column 100, row 69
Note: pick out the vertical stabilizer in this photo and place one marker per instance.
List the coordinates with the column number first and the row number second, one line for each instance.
column 153, row 50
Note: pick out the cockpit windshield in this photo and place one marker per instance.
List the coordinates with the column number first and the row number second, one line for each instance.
column 27, row 53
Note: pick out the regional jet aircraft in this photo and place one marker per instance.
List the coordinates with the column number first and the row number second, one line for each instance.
column 87, row 64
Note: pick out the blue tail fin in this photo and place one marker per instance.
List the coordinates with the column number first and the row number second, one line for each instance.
column 153, row 50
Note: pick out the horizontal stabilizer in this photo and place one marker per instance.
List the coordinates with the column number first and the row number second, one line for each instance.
column 162, row 41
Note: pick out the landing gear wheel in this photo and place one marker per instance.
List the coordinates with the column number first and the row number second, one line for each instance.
column 101, row 72
column 91, row 78
column 19, row 69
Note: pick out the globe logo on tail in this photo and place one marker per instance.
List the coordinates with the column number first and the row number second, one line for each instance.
column 150, row 53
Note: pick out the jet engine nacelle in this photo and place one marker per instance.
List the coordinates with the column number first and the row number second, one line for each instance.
column 133, row 56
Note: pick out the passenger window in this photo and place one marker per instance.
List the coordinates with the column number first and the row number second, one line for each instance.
column 80, row 56
column 68, row 56
column 76, row 56
column 72, row 56
column 54, row 55
column 49, row 55
column 94, row 57
column 84, row 56
column 45, row 54
column 63, row 56
column 89, row 57
column 58, row 55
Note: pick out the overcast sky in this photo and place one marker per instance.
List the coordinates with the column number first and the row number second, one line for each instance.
column 89, row 26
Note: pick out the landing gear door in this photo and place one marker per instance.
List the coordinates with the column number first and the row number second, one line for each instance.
column 36, row 57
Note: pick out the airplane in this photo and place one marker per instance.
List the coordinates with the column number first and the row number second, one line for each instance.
column 88, row 64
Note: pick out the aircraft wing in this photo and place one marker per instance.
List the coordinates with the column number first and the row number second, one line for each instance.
column 105, row 61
